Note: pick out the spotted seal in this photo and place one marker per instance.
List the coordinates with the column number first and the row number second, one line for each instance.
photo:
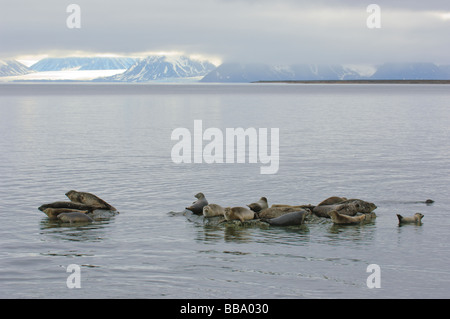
column 197, row 206
column 345, row 219
column 349, row 207
column 68, row 205
column 416, row 219
column 212, row 210
column 240, row 213
column 259, row 205
column 53, row 213
column 89, row 199
column 332, row 200
column 74, row 217
column 289, row 219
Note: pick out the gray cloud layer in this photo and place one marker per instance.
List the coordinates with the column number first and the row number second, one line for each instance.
column 288, row 31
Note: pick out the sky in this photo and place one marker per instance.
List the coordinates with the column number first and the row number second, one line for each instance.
column 265, row 31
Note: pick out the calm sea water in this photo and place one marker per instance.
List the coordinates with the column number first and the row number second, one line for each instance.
column 388, row 144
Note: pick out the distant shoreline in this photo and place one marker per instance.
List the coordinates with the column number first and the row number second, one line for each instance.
column 359, row 82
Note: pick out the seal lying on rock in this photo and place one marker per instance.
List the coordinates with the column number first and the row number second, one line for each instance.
column 289, row 219
column 240, row 213
column 259, row 205
column 416, row 219
column 349, row 207
column 332, row 200
column 74, row 217
column 53, row 213
column 274, row 212
column 344, row 219
column 68, row 205
column 89, row 199
column 197, row 206
column 212, row 210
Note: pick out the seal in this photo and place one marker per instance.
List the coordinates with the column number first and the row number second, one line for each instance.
column 69, row 205
column 259, row 205
column 240, row 213
column 289, row 219
column 74, row 217
column 416, row 219
column 89, row 199
column 349, row 207
column 197, row 206
column 332, row 200
column 344, row 219
column 53, row 213
column 212, row 210
column 309, row 206
column 274, row 212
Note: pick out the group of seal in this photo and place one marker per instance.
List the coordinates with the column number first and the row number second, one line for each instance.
column 340, row 210
column 78, row 210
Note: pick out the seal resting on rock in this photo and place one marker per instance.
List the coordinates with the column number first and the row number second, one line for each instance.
column 289, row 219
column 344, row 219
column 416, row 219
column 89, row 199
column 212, row 210
column 74, row 217
column 274, row 212
column 349, row 207
column 197, row 206
column 240, row 213
column 53, row 213
column 332, row 200
column 69, row 205
column 259, row 205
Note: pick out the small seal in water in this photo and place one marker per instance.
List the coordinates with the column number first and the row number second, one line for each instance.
column 259, row 205
column 89, row 199
column 240, row 213
column 416, row 219
column 197, row 206
column 74, row 217
column 212, row 210
column 289, row 219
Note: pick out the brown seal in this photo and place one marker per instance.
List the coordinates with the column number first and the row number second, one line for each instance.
column 259, row 205
column 416, row 219
column 344, row 219
column 212, row 210
column 274, row 212
column 240, row 213
column 349, row 207
column 197, row 206
column 74, row 217
column 332, row 200
column 69, row 205
column 89, row 199
column 53, row 213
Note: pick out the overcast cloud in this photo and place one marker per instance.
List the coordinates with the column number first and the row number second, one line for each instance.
column 288, row 31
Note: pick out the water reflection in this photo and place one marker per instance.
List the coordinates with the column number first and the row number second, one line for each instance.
column 92, row 232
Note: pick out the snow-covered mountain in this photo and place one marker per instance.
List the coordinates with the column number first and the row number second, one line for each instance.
column 12, row 68
column 163, row 67
column 411, row 71
column 83, row 63
column 235, row 72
